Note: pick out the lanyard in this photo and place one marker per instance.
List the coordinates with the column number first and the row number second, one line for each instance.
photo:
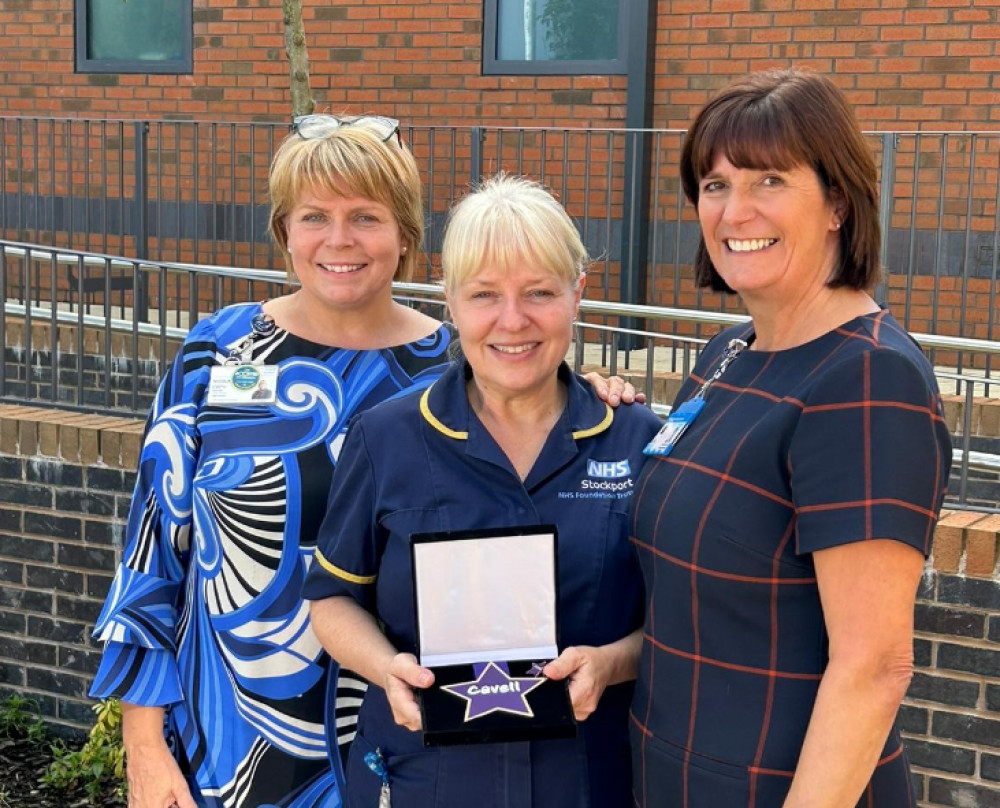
column 262, row 325
column 680, row 419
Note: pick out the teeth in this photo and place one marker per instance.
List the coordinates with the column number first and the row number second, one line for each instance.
column 341, row 268
column 749, row 244
column 515, row 349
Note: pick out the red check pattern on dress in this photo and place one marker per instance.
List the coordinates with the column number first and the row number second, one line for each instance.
column 836, row 441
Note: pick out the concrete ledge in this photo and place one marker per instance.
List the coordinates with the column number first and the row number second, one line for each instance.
column 74, row 437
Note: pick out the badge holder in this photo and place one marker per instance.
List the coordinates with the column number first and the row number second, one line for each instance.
column 238, row 381
column 486, row 625
column 679, row 420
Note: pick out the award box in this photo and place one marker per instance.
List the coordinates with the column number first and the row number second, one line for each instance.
column 486, row 611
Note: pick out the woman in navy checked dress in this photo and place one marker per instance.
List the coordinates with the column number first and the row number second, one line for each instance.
column 783, row 534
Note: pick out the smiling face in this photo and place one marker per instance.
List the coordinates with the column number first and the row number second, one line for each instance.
column 515, row 326
column 344, row 250
column 768, row 233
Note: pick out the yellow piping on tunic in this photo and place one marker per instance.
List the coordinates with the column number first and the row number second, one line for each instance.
column 333, row 569
column 425, row 410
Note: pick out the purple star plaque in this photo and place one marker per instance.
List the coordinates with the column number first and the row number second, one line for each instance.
column 494, row 690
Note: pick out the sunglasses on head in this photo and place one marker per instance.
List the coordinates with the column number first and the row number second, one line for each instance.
column 310, row 127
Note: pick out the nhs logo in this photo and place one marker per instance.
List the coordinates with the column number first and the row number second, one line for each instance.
column 608, row 468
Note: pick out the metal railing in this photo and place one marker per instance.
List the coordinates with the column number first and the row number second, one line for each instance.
column 94, row 351
column 195, row 192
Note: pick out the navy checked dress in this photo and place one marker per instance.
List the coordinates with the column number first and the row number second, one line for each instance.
column 204, row 616
column 836, row 441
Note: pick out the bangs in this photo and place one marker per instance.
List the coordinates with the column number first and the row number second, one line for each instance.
column 757, row 136
column 342, row 171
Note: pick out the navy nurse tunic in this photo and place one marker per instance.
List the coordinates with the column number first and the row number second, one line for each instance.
column 839, row 440
column 428, row 464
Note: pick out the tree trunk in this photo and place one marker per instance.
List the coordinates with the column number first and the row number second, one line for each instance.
column 298, row 58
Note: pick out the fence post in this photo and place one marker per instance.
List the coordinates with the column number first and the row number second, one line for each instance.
column 890, row 142
column 141, row 217
column 641, row 36
column 478, row 135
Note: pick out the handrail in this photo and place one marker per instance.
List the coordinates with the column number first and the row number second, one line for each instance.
column 37, row 252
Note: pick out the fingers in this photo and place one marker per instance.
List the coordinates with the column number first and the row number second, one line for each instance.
column 184, row 799
column 614, row 389
column 404, row 675
column 586, row 681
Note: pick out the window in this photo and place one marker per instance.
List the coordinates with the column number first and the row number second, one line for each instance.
column 133, row 36
column 554, row 36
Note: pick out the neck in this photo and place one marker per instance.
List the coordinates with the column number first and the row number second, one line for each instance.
column 520, row 424
column 542, row 406
column 780, row 326
column 380, row 323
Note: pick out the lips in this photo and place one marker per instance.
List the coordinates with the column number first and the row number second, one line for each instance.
column 513, row 350
column 341, row 269
column 749, row 244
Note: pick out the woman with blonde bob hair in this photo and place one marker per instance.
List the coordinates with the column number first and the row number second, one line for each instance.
column 506, row 438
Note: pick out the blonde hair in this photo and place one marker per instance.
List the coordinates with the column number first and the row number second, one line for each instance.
column 506, row 220
column 350, row 161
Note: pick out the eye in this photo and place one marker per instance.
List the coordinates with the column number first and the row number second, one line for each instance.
column 773, row 181
column 366, row 218
column 482, row 294
column 312, row 217
column 712, row 186
column 541, row 294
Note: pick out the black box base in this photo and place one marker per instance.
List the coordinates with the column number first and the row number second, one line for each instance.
column 443, row 712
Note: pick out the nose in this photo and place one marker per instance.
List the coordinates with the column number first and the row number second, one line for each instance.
column 512, row 314
column 339, row 233
column 738, row 207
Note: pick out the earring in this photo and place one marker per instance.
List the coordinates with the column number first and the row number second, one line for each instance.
column 403, row 252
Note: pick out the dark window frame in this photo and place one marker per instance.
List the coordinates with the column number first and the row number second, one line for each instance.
column 492, row 66
column 182, row 66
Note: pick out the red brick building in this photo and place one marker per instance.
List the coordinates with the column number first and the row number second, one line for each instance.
column 906, row 65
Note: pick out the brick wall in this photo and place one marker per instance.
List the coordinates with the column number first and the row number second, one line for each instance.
column 65, row 482
column 951, row 718
column 415, row 59
column 927, row 65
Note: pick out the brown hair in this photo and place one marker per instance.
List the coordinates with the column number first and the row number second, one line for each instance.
column 781, row 119
column 350, row 161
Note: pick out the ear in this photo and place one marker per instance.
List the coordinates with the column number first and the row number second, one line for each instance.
column 581, row 282
column 839, row 204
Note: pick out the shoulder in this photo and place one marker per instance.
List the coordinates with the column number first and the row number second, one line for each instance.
column 877, row 359
column 591, row 416
column 224, row 325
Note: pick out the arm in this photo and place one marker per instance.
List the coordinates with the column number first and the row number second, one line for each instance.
column 591, row 670
column 867, row 590
column 352, row 637
column 154, row 778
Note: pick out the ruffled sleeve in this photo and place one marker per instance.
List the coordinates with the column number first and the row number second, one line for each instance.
column 139, row 618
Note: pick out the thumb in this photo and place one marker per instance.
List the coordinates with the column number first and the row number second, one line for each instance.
column 406, row 668
column 183, row 799
column 562, row 666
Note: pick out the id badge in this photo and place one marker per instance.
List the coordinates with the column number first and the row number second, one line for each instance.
column 242, row 384
column 676, row 424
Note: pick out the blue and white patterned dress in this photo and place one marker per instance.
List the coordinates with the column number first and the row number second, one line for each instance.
column 205, row 615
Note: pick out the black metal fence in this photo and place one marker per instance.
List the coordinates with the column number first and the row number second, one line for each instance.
column 196, row 192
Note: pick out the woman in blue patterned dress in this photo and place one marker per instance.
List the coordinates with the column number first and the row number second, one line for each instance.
column 204, row 626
